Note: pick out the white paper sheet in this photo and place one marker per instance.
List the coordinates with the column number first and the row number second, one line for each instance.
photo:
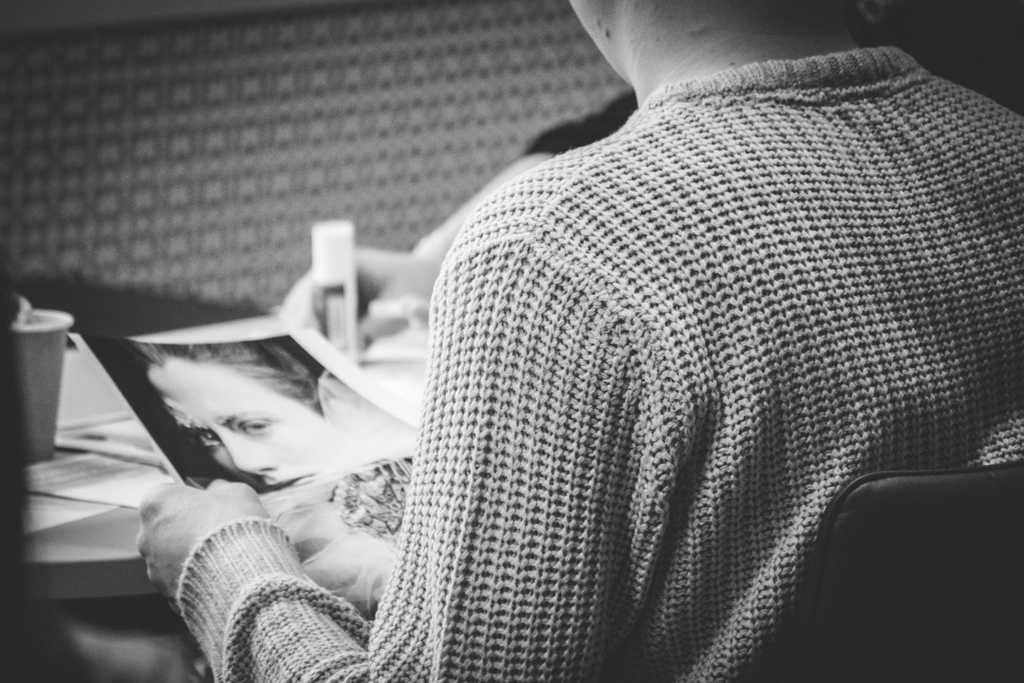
column 44, row 512
column 87, row 395
column 95, row 478
column 119, row 439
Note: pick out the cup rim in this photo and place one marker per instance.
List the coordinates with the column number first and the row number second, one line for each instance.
column 45, row 320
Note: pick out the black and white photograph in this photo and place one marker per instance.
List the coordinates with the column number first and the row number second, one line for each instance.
column 261, row 412
column 472, row 341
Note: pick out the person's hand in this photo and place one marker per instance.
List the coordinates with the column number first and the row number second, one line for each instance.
column 296, row 311
column 176, row 517
column 382, row 275
column 388, row 274
column 351, row 563
column 395, row 277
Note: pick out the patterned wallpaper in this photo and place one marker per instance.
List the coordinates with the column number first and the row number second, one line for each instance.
column 191, row 158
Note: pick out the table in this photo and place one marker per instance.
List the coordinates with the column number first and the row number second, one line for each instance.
column 95, row 555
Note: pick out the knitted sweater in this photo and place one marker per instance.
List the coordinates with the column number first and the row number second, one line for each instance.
column 654, row 360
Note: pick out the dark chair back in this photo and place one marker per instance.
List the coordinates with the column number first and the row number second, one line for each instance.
column 919, row 576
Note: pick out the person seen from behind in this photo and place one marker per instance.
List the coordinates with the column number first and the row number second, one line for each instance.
column 654, row 360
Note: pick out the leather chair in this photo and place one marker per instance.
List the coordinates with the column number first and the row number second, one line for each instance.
column 918, row 576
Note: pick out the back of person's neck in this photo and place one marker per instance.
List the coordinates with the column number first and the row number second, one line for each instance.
column 658, row 60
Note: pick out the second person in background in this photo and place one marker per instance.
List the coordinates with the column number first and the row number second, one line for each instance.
column 406, row 278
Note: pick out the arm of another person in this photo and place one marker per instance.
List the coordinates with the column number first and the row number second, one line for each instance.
column 386, row 274
column 534, row 514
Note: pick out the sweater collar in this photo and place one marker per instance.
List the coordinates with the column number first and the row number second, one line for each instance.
column 851, row 69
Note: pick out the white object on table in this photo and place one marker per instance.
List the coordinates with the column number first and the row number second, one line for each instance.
column 87, row 395
column 45, row 512
column 95, row 478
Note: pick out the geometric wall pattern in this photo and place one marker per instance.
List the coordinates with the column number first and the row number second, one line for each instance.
column 190, row 158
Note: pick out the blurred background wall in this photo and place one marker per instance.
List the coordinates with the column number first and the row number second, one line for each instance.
column 190, row 155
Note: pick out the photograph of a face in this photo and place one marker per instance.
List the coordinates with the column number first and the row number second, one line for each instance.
column 262, row 412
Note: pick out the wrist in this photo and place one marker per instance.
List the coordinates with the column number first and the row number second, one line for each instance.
column 221, row 565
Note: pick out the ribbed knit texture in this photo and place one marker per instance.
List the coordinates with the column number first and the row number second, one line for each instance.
column 656, row 359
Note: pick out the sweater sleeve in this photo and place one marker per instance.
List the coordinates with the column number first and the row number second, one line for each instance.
column 531, row 525
column 531, row 516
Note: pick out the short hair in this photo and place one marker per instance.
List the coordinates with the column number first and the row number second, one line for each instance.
column 875, row 22
column 973, row 45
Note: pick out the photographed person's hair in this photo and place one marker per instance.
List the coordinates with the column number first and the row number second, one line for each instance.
column 288, row 372
column 279, row 364
column 185, row 445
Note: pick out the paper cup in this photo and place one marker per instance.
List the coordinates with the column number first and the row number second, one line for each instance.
column 39, row 345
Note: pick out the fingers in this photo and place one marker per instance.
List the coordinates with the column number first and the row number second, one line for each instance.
column 142, row 542
column 156, row 499
column 368, row 287
column 154, row 503
column 232, row 491
column 175, row 518
column 373, row 328
column 225, row 485
column 376, row 269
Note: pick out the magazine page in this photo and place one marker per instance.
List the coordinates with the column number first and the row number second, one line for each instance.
column 288, row 415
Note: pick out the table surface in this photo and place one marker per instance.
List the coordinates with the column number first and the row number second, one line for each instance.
column 94, row 555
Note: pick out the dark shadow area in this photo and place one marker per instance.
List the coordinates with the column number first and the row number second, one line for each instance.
column 916, row 576
column 979, row 44
column 121, row 312
column 132, row 639
column 110, row 640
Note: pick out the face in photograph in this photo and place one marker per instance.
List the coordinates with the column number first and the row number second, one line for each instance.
column 270, row 439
